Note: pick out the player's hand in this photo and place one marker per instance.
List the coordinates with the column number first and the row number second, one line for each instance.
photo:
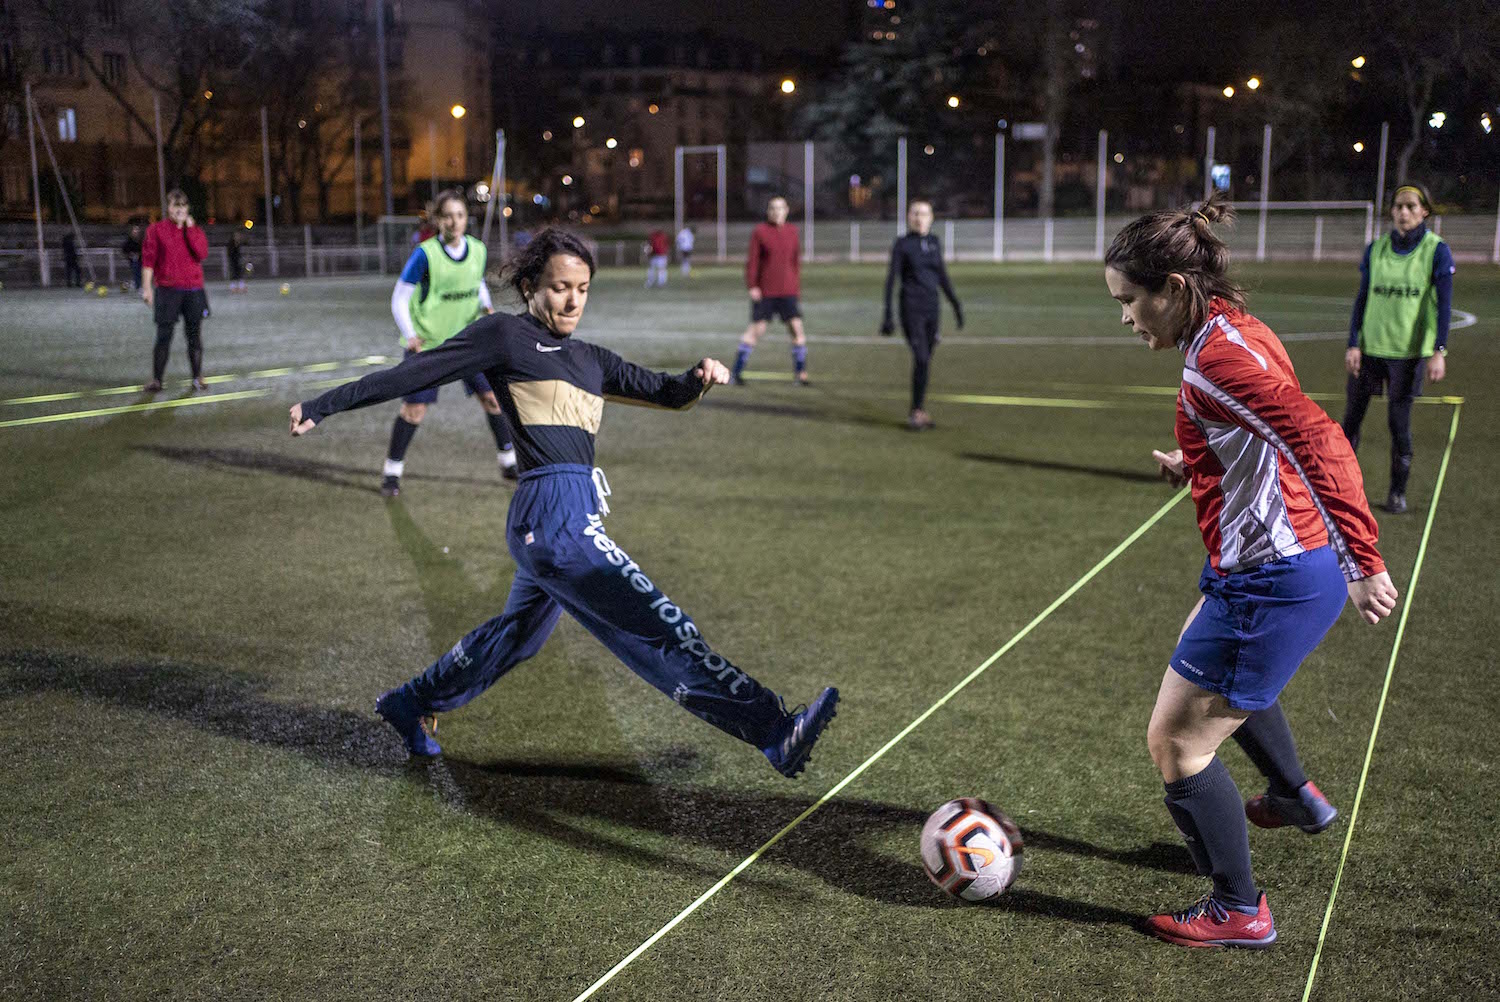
column 1437, row 367
column 1170, row 464
column 1352, row 359
column 189, row 220
column 148, row 295
column 887, row 328
column 1374, row 596
column 958, row 315
column 299, row 425
column 755, row 294
column 712, row 372
column 414, row 344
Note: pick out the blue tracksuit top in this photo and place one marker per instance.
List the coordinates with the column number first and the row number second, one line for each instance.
column 551, row 388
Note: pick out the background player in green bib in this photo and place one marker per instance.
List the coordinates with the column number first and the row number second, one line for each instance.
column 1399, row 332
column 440, row 292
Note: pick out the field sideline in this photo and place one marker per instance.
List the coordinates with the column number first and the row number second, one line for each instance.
column 198, row 612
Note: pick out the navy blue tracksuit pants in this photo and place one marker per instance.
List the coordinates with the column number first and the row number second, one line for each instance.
column 919, row 322
column 566, row 563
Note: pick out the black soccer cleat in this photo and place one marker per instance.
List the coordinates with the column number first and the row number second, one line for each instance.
column 792, row 745
column 390, row 486
column 1396, row 504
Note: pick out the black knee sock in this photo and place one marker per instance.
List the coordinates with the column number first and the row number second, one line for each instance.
column 401, row 435
column 500, row 428
column 1207, row 809
column 1266, row 738
column 919, row 370
column 161, row 350
column 195, row 354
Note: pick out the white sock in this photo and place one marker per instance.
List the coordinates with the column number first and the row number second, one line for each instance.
column 393, row 468
column 507, row 458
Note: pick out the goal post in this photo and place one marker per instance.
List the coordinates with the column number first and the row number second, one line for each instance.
column 393, row 236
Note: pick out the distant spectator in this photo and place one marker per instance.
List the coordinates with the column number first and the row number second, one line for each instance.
column 72, row 274
column 235, row 250
column 686, row 238
column 131, row 248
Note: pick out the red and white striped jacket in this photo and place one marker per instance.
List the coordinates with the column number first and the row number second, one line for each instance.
column 1272, row 475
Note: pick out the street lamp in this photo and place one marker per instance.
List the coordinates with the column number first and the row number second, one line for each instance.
column 577, row 121
column 1229, row 92
column 458, row 111
column 1359, row 147
column 1358, row 62
column 610, row 143
column 788, row 85
column 953, row 100
column 1253, row 83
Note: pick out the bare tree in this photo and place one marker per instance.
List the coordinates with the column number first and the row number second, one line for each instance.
column 185, row 51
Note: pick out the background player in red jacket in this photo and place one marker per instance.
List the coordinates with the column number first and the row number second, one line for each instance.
column 172, row 284
column 656, row 263
column 1282, row 508
column 773, row 274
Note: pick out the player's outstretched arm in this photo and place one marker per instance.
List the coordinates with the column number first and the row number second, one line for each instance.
column 629, row 383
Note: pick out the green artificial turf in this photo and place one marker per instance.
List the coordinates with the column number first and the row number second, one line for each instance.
column 196, row 613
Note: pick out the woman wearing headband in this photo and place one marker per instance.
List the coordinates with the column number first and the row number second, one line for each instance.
column 1399, row 332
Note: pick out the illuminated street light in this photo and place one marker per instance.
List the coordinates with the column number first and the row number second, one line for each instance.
column 610, row 143
column 1119, row 158
column 928, row 149
column 577, row 121
column 208, row 95
column 1359, row 147
column 654, row 108
column 1229, row 92
column 1358, row 62
column 1437, row 119
column 567, row 179
column 953, row 100
column 788, row 85
column 1253, row 83
column 458, row 111
column 1486, row 123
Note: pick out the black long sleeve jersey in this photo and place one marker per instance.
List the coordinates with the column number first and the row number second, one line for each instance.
column 919, row 263
column 551, row 388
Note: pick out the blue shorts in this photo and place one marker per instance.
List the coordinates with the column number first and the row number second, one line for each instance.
column 1256, row 626
column 472, row 385
column 785, row 307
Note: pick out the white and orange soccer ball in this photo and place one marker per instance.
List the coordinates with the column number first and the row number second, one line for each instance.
column 971, row 850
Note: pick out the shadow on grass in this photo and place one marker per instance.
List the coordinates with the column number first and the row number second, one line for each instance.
column 565, row 801
column 251, row 461
column 1133, row 476
column 802, row 411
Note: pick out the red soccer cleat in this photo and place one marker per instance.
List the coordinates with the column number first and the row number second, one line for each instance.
column 1309, row 810
column 1208, row 923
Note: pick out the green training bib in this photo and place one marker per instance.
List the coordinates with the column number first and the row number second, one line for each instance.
column 452, row 300
column 1401, row 311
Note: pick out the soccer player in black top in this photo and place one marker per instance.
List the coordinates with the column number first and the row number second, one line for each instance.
column 552, row 388
column 917, row 257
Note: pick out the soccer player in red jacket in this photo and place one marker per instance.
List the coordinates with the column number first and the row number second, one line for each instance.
column 773, row 274
column 172, row 285
column 1282, row 508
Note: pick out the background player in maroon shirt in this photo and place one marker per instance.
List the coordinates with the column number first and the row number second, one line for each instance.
column 773, row 274
column 172, row 285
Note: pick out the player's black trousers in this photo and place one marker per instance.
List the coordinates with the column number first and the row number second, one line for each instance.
column 920, row 325
column 1401, row 379
column 192, row 306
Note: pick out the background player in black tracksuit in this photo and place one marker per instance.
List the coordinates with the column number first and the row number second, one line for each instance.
column 552, row 387
column 917, row 258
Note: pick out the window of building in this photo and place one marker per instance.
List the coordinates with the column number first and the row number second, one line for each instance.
column 67, row 125
column 114, row 68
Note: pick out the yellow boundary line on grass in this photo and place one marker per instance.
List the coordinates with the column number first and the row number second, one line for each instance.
column 867, row 763
column 154, row 405
column 1390, row 670
column 115, row 391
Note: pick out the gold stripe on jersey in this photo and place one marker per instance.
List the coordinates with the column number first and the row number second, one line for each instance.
column 557, row 402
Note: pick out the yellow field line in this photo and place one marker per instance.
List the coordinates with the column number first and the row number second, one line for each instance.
column 114, row 391
column 154, row 405
column 867, row 763
column 1390, row 670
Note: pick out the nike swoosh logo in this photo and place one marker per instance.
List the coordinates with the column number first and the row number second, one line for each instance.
column 542, row 347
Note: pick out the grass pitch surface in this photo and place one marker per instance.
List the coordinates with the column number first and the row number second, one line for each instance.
column 196, row 613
